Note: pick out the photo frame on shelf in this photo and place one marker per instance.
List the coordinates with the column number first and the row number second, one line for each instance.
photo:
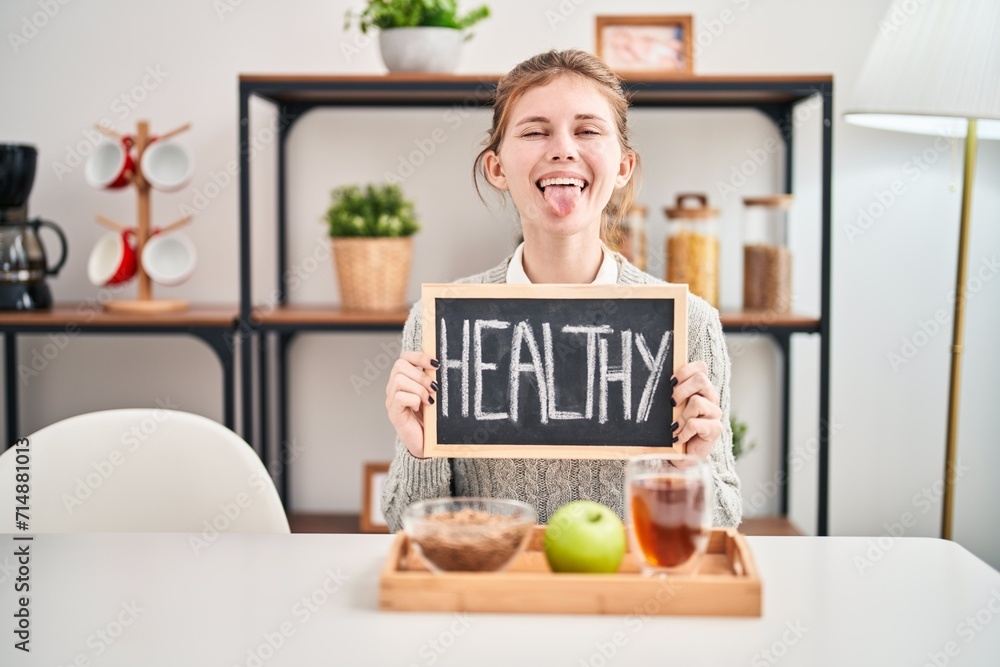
column 644, row 46
column 372, row 518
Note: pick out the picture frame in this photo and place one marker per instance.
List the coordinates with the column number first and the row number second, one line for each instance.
column 372, row 519
column 644, row 46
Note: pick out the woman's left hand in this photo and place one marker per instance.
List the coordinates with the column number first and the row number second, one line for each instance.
column 700, row 421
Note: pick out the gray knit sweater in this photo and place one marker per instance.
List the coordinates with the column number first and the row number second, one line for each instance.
column 548, row 484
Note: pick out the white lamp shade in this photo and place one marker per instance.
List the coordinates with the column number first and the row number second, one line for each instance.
column 934, row 65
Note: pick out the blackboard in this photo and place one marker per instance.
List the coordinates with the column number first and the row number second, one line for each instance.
column 553, row 371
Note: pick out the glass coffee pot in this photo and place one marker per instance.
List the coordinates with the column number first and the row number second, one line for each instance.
column 24, row 264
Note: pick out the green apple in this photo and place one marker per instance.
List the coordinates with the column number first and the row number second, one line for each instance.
column 584, row 536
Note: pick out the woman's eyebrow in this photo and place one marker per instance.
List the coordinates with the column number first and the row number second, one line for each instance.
column 543, row 119
column 534, row 119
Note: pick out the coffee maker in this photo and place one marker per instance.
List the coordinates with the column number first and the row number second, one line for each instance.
column 23, row 262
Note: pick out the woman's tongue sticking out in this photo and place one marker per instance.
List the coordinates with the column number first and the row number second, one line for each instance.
column 562, row 199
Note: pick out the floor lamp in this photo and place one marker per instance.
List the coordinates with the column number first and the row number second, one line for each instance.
column 935, row 69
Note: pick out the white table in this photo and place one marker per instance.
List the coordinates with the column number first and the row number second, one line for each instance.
column 150, row 599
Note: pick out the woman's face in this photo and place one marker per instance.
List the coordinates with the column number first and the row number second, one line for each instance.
column 560, row 158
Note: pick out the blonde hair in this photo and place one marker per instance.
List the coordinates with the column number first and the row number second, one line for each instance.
column 542, row 70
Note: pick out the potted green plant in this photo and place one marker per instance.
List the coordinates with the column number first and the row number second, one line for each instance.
column 741, row 444
column 418, row 35
column 371, row 230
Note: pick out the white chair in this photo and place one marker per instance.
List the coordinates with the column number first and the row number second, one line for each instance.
column 141, row 470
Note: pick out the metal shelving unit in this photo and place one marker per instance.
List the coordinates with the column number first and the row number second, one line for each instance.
column 293, row 96
column 213, row 325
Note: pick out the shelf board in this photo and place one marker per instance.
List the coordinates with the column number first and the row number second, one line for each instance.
column 769, row 525
column 754, row 321
column 332, row 318
column 476, row 90
column 328, row 317
column 90, row 315
column 349, row 522
column 322, row 522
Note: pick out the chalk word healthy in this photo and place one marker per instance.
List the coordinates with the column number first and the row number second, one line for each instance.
column 470, row 365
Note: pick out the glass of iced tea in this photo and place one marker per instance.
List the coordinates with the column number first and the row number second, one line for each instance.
column 670, row 499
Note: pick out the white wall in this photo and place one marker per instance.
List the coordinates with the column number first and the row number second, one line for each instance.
column 888, row 440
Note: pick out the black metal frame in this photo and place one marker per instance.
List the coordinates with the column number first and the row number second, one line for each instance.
column 218, row 338
column 293, row 98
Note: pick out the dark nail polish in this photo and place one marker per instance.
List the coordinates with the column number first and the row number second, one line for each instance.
column 673, row 382
column 673, row 402
column 676, row 438
column 435, row 363
column 434, row 385
column 675, row 426
column 430, row 399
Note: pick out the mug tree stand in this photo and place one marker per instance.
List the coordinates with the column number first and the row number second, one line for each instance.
column 145, row 303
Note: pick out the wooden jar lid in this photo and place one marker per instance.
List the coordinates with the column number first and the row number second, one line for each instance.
column 770, row 201
column 701, row 212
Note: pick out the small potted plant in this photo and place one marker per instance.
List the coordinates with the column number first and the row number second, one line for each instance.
column 418, row 35
column 371, row 229
column 741, row 443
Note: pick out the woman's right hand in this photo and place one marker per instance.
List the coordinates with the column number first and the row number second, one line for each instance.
column 409, row 389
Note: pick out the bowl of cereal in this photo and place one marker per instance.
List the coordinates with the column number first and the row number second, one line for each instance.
column 468, row 534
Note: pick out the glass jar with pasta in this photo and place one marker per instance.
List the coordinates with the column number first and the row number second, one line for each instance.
column 693, row 245
column 767, row 261
column 634, row 236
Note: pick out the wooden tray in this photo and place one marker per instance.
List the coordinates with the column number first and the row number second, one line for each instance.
column 726, row 585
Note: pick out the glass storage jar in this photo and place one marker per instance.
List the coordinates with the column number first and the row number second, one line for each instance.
column 634, row 236
column 693, row 245
column 767, row 261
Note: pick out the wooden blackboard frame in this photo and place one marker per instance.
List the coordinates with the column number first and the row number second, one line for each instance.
column 430, row 292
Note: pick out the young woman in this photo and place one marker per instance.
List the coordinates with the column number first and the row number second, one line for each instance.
column 559, row 147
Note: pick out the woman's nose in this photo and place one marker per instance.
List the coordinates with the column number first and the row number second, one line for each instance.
column 563, row 147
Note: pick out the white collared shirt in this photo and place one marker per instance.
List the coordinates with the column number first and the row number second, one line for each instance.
column 606, row 275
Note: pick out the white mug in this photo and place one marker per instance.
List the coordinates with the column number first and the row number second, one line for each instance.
column 167, row 165
column 169, row 259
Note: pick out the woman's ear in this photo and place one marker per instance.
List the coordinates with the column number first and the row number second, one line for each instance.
column 625, row 169
column 494, row 170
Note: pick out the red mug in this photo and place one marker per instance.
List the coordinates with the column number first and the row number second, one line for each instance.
column 110, row 165
column 113, row 260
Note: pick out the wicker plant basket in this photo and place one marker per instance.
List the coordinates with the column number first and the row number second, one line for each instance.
column 373, row 272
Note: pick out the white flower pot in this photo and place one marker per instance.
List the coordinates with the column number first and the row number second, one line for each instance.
column 421, row 49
